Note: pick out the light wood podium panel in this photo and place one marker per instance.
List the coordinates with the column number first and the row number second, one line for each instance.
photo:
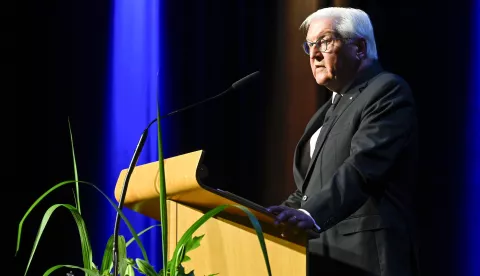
column 232, row 249
column 230, row 245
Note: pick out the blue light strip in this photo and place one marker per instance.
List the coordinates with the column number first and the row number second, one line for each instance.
column 131, row 105
column 473, row 146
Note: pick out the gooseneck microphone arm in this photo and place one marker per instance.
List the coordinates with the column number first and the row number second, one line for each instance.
column 133, row 163
column 235, row 86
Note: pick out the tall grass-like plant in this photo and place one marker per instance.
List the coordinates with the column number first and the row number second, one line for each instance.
column 88, row 266
column 129, row 266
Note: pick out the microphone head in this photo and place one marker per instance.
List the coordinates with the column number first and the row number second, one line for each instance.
column 246, row 80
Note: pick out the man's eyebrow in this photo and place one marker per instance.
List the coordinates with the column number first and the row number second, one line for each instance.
column 322, row 35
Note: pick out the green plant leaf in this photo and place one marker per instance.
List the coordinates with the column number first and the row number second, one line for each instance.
column 122, row 251
column 181, row 272
column 165, row 270
column 20, row 225
column 127, row 222
column 74, row 197
column 124, row 265
column 129, row 271
column 261, row 238
column 107, row 261
column 89, row 272
column 178, row 256
column 162, row 189
column 188, row 234
column 193, row 243
column 75, row 172
column 142, row 232
column 145, row 268
column 82, row 229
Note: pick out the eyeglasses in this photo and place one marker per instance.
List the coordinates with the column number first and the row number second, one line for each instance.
column 324, row 45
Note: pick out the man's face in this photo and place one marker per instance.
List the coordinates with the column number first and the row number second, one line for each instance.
column 335, row 67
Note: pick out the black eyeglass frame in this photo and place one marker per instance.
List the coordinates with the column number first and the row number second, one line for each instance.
column 307, row 45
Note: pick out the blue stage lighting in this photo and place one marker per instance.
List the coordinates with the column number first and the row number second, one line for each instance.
column 136, row 48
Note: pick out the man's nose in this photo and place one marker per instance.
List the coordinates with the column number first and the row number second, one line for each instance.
column 315, row 53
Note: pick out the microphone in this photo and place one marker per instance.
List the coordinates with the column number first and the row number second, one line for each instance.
column 235, row 86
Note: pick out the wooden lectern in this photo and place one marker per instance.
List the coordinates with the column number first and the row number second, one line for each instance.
column 230, row 246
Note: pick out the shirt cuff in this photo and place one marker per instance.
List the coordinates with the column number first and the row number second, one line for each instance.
column 314, row 222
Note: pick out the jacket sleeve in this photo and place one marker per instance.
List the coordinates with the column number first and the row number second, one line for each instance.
column 386, row 126
column 293, row 200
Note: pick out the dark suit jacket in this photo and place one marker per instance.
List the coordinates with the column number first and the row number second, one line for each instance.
column 358, row 186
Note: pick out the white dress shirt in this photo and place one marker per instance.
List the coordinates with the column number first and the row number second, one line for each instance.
column 313, row 139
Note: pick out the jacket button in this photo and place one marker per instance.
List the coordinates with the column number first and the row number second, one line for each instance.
column 304, row 198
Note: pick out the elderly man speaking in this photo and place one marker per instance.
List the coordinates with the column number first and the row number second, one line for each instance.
column 354, row 166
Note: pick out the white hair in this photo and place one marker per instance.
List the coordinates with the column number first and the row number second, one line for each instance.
column 348, row 22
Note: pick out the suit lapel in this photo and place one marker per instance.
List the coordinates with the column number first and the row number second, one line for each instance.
column 344, row 103
column 313, row 125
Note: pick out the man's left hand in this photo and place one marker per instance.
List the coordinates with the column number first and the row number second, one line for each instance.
column 292, row 216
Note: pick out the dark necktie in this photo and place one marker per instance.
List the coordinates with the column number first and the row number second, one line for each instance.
column 305, row 159
column 329, row 113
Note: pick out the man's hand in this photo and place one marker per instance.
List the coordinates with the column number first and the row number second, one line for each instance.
column 292, row 216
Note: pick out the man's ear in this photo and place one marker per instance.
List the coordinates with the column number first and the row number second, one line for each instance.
column 361, row 44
